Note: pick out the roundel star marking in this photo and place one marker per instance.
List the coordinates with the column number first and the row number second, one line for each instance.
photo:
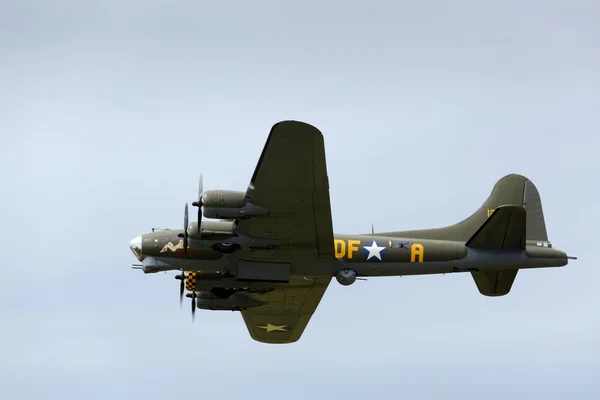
column 374, row 250
column 271, row 328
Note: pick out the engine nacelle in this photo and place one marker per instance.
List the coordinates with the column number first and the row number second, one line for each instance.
column 235, row 302
column 229, row 204
column 211, row 230
column 346, row 276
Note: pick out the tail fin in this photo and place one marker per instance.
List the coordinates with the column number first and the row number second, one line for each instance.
column 515, row 190
column 512, row 189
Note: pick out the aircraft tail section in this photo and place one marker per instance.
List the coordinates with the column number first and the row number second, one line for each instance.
column 511, row 190
column 508, row 227
column 510, row 217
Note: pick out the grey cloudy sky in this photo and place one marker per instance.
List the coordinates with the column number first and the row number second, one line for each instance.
column 108, row 112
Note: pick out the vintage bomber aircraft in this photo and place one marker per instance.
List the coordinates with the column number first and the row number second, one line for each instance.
column 270, row 251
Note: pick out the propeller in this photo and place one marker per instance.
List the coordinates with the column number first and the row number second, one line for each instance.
column 193, row 306
column 185, row 235
column 181, row 277
column 193, row 297
column 199, row 203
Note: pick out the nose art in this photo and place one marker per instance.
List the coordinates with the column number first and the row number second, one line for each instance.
column 136, row 247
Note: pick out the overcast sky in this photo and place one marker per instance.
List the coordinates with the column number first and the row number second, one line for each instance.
column 109, row 111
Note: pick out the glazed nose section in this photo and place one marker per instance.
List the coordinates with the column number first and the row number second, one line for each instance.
column 136, row 247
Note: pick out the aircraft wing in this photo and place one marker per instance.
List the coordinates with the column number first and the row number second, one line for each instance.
column 290, row 180
column 287, row 310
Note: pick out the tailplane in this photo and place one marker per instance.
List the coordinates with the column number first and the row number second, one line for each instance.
column 496, row 282
column 505, row 229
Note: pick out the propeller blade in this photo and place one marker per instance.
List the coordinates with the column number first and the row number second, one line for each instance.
column 200, row 187
column 185, row 218
column 198, row 203
column 199, row 221
column 193, row 307
column 181, row 287
column 185, row 235
column 181, row 290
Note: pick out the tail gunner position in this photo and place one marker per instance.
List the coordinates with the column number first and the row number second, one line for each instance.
column 270, row 251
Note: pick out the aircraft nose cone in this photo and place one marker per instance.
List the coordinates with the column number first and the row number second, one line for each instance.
column 136, row 247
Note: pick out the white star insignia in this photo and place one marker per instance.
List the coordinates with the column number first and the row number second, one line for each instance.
column 374, row 250
column 271, row 328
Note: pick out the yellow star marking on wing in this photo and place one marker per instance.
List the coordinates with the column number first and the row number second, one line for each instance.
column 169, row 246
column 271, row 328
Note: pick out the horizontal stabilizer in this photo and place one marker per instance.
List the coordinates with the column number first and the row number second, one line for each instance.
column 505, row 229
column 494, row 283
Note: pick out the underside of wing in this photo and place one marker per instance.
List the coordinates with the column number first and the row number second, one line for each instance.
column 290, row 181
column 287, row 311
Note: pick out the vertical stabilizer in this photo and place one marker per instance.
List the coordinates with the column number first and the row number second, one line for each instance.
column 513, row 189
